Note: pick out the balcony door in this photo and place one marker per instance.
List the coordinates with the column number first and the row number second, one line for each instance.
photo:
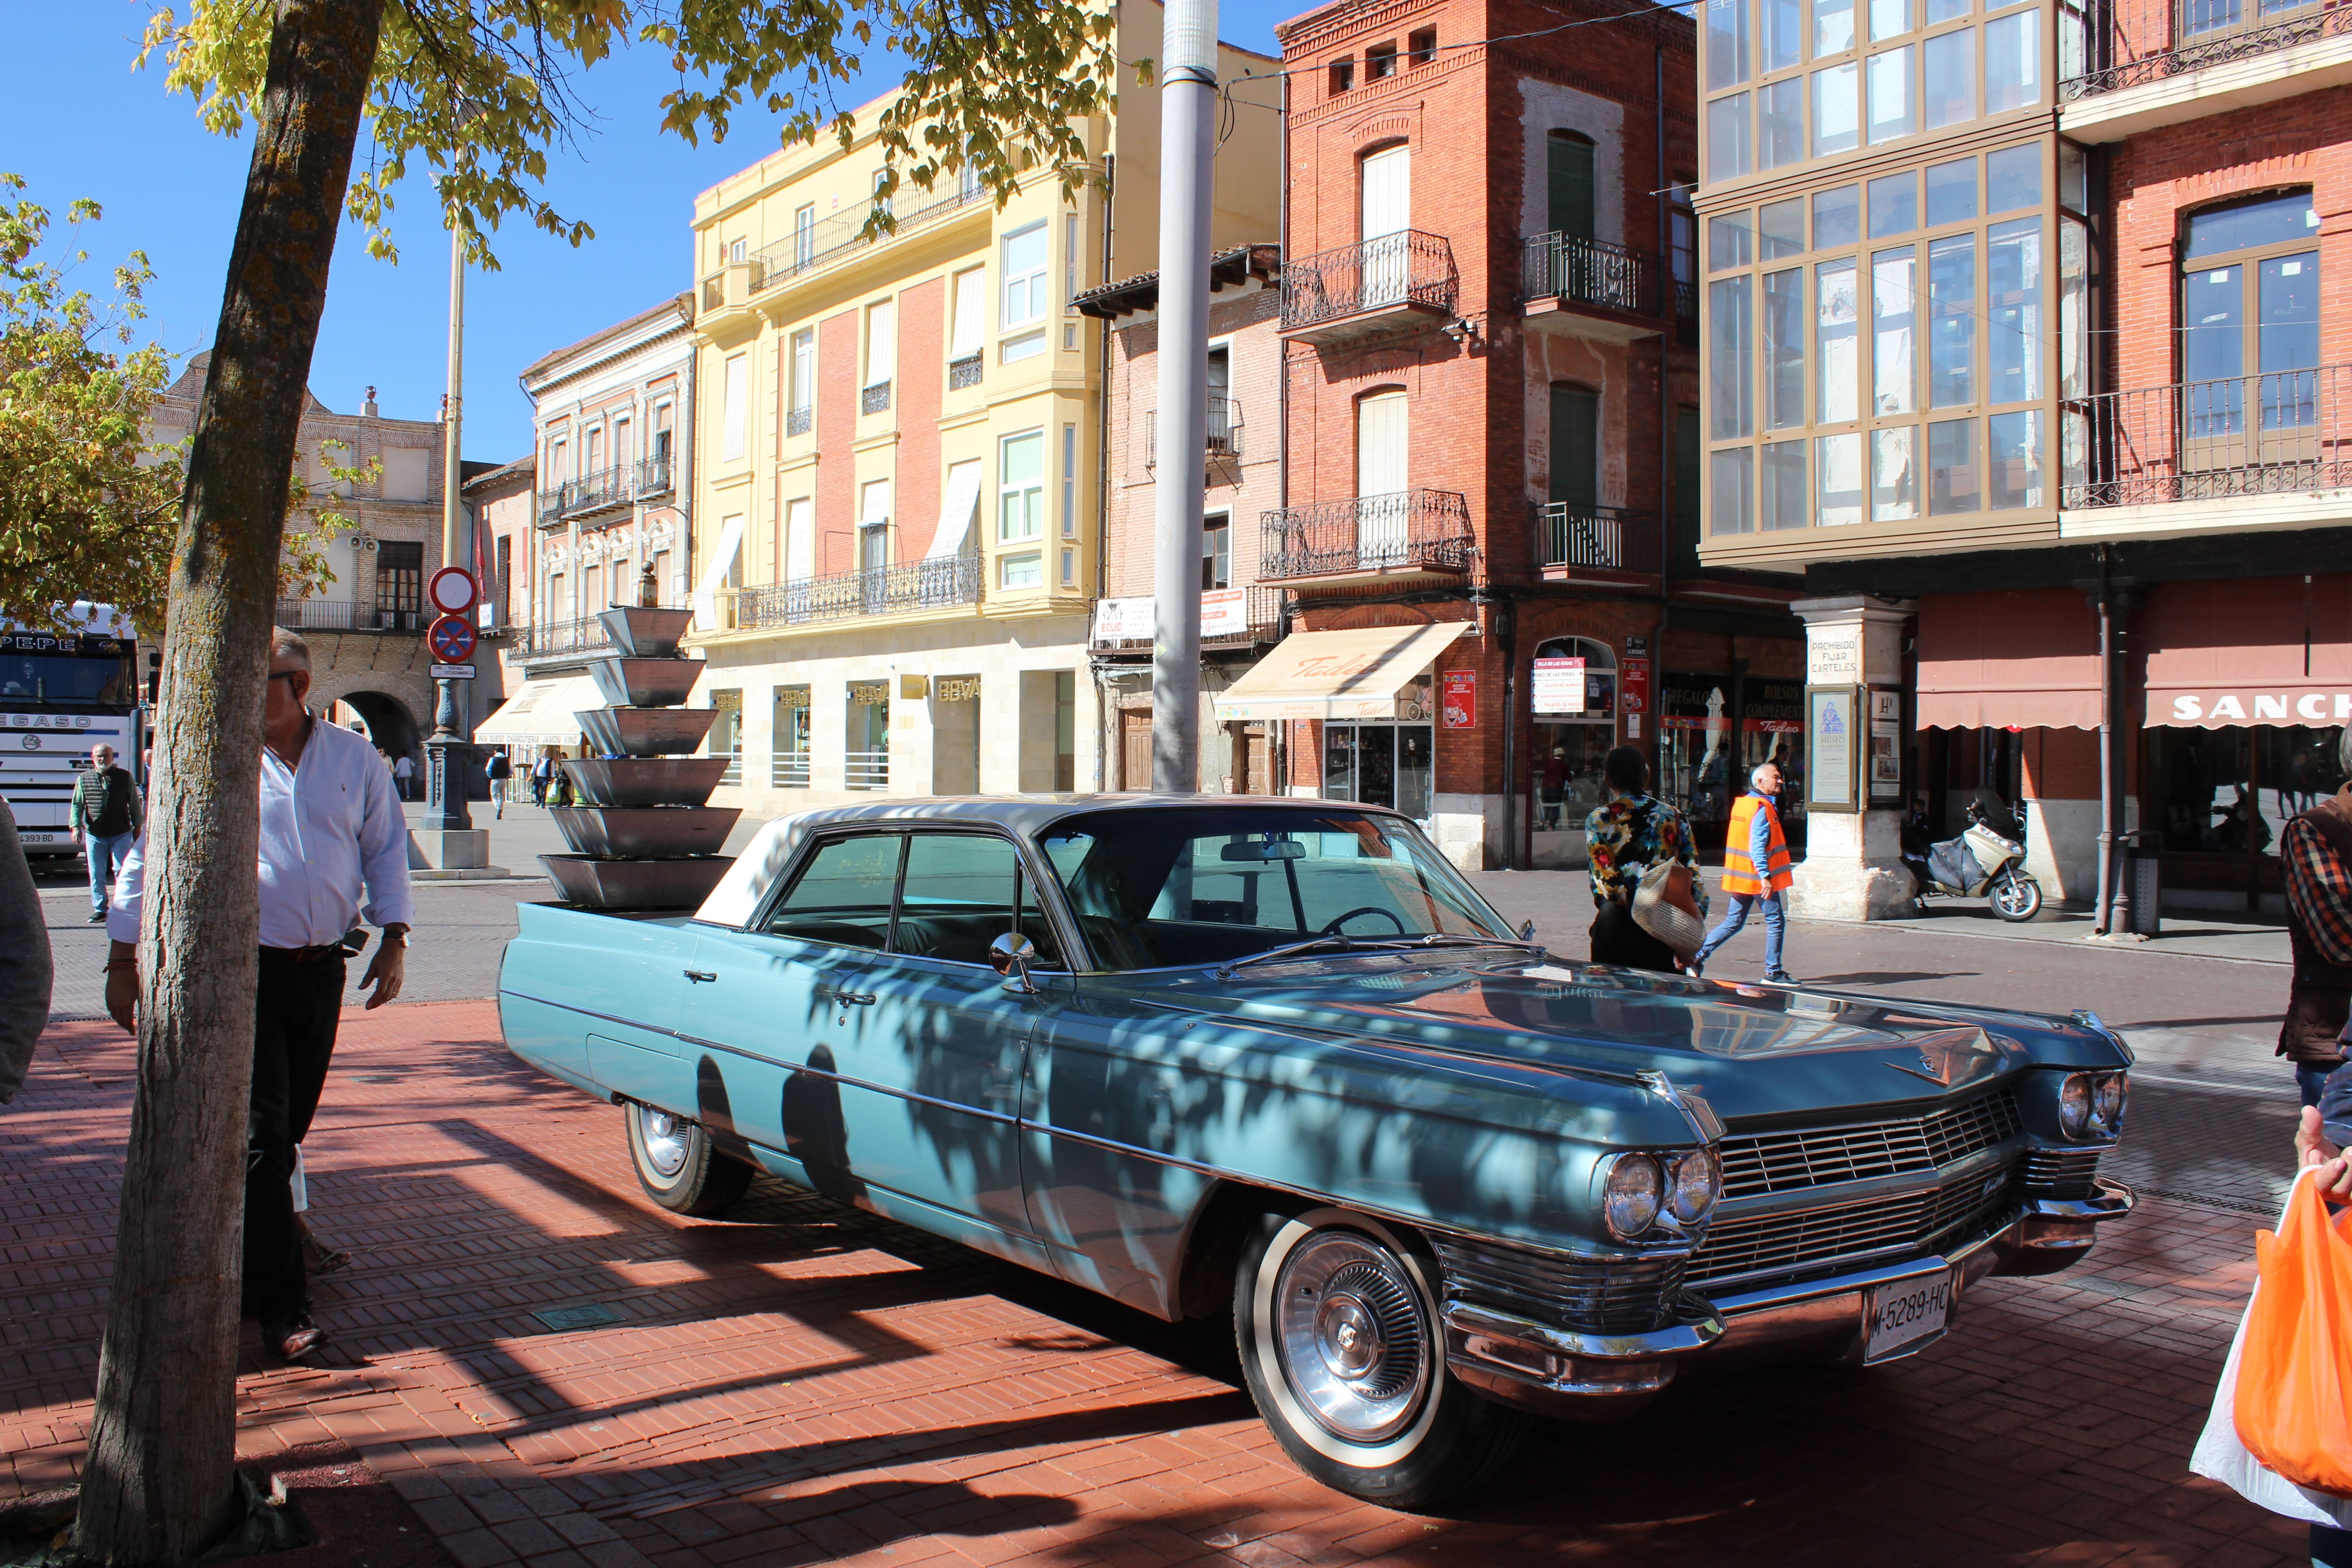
column 1386, row 213
column 2250, row 337
column 1568, row 184
column 1381, row 531
column 1574, row 528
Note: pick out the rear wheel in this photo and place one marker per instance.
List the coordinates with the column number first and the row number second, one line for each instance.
column 677, row 1165
column 2016, row 895
column 1336, row 1318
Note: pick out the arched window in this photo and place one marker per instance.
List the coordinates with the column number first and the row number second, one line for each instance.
column 2249, row 328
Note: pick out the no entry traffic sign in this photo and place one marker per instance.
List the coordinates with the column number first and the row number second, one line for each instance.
column 451, row 639
column 452, row 591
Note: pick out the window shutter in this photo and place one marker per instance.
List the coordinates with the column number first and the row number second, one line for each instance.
column 1568, row 186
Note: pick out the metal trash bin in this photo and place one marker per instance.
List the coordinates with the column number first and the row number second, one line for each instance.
column 2143, row 879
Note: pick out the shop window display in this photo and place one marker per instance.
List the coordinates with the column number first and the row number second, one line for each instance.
column 1383, row 763
column 1568, row 748
column 2217, row 796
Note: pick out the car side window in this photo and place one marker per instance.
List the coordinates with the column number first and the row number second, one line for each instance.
column 957, row 897
column 844, row 894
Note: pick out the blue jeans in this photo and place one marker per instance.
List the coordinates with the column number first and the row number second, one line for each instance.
column 105, row 853
column 1775, row 920
column 2310, row 1076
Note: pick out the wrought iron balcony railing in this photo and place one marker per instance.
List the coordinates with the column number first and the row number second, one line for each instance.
column 1592, row 273
column 1222, row 436
column 1263, row 625
column 615, row 485
column 655, row 477
column 800, row 421
column 875, row 399
column 1595, row 538
column 840, row 236
column 344, row 615
column 557, row 639
column 2274, row 434
column 940, row 584
column 550, row 504
column 1407, row 268
column 964, row 372
column 1402, row 532
column 2131, row 43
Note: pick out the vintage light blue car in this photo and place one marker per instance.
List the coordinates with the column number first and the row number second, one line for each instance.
column 1278, row 1057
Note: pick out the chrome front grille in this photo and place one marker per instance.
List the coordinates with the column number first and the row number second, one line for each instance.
column 1744, row 1248
column 1595, row 1296
column 1759, row 1162
column 2062, row 1172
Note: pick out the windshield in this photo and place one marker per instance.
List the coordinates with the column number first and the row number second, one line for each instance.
column 1205, row 885
column 64, row 678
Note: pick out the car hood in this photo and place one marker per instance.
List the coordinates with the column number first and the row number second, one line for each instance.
column 1751, row 1052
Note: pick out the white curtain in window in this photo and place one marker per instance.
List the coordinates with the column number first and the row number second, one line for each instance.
column 799, row 539
column 881, row 343
column 971, row 313
column 1381, row 526
column 732, row 412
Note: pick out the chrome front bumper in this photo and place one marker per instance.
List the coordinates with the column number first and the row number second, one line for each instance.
column 1601, row 1377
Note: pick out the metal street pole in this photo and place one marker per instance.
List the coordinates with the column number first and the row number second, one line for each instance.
column 449, row 754
column 1188, row 119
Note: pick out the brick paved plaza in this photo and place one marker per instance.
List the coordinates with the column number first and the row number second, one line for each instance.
column 805, row 1383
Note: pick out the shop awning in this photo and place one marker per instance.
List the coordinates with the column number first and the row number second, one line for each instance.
column 2023, row 659
column 1337, row 675
column 540, row 714
column 2255, row 651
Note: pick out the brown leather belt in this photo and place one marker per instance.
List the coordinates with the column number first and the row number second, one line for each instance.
column 307, row 954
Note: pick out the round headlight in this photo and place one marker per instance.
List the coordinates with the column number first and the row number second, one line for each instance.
column 1629, row 1201
column 2075, row 1104
column 1696, row 1181
column 2108, row 1100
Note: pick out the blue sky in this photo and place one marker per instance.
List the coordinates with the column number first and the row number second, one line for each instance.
column 83, row 124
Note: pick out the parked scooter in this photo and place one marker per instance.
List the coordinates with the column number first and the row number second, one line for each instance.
column 1986, row 862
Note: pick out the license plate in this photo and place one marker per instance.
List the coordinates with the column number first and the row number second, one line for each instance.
column 1900, row 1318
column 29, row 836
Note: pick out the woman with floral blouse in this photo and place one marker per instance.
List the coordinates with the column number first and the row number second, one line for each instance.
column 1626, row 835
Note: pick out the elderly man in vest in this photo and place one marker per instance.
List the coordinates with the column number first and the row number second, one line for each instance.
column 1755, row 871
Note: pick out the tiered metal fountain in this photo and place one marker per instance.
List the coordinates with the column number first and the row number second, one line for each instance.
column 645, row 840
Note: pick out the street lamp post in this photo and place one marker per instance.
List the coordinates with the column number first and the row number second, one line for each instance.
column 449, row 752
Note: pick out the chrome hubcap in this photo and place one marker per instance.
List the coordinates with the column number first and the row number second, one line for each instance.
column 1354, row 1339
column 664, row 1137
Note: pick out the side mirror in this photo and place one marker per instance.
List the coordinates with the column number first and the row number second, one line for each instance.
column 1528, row 932
column 1009, row 955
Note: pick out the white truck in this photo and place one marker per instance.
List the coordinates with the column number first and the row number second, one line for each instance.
column 61, row 693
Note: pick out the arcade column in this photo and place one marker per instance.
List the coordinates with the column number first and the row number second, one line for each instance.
column 1853, row 868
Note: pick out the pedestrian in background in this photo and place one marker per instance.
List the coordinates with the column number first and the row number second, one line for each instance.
column 26, row 972
column 1626, row 835
column 404, row 775
column 2315, row 864
column 334, row 846
column 499, row 768
column 542, row 773
column 1754, row 872
column 106, row 814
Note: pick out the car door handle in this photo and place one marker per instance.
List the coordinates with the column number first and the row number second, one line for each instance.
column 699, row 975
column 853, row 998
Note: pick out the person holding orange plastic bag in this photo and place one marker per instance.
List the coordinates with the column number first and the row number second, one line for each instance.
column 2280, row 1430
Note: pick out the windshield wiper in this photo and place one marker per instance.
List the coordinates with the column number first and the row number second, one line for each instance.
column 1343, row 943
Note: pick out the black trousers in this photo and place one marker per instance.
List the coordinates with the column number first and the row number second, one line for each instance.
column 1618, row 939
column 296, row 1007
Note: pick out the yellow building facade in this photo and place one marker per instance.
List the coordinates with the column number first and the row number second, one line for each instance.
column 898, row 518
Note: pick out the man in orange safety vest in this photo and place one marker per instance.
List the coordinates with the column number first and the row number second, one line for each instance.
column 1754, row 841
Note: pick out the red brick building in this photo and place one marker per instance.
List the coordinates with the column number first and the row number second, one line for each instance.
column 2085, row 467
column 1491, row 383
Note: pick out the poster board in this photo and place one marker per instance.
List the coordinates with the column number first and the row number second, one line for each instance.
column 1834, row 750
column 1884, row 766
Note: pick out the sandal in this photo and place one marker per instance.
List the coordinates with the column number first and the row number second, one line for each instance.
column 318, row 1258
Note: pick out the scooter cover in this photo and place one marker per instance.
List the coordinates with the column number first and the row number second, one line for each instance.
column 1953, row 864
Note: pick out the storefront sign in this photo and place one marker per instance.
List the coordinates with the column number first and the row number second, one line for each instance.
column 1461, row 707
column 1557, row 685
column 2218, row 708
column 1634, row 687
column 1224, row 613
column 1829, row 714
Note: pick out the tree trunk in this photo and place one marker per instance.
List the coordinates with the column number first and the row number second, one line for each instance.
column 158, row 1482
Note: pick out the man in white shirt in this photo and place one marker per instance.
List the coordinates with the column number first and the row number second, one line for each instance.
column 331, row 834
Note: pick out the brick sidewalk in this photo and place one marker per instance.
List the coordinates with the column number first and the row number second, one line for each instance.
column 806, row 1383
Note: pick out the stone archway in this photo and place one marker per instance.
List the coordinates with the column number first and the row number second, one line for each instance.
column 390, row 725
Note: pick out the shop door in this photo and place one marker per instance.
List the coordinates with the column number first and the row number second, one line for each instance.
column 1135, row 749
column 1376, row 769
column 1251, row 759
